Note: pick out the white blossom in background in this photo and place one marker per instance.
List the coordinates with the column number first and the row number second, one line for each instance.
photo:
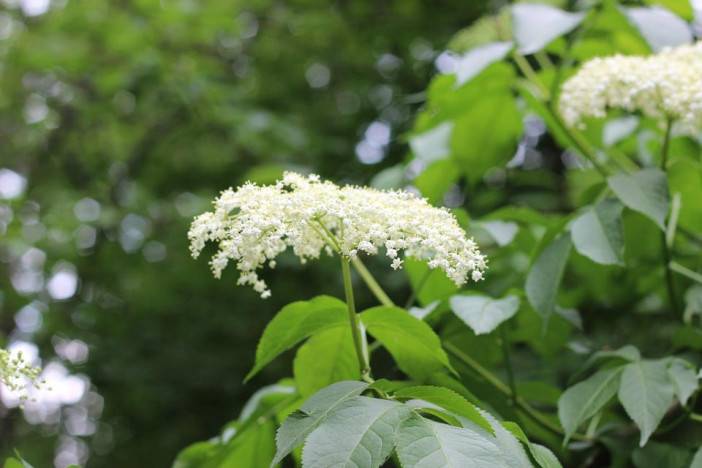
column 662, row 86
column 253, row 224
column 17, row 373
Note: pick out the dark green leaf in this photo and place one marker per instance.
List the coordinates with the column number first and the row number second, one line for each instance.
column 597, row 233
column 645, row 191
column 294, row 323
column 545, row 276
column 412, row 343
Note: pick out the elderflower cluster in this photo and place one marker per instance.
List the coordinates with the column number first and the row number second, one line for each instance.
column 253, row 224
column 665, row 85
column 16, row 372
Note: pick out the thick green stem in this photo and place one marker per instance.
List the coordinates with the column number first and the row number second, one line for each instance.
column 371, row 283
column 504, row 389
column 667, row 257
column 358, row 339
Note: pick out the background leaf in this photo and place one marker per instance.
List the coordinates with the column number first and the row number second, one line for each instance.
column 645, row 191
column 536, row 25
column 659, row 27
column 484, row 314
column 598, row 235
column 545, row 275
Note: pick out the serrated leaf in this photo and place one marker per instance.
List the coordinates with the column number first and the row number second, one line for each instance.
column 597, row 233
column 484, row 314
column 536, row 25
column 645, row 191
column 646, row 393
column 659, row 27
column 427, row 444
column 511, row 449
column 360, row 432
column 684, row 379
column 312, row 413
column 542, row 455
column 583, row 400
column 477, row 59
column 327, row 357
column 447, row 399
column 544, row 277
column 411, row 342
column 294, row 323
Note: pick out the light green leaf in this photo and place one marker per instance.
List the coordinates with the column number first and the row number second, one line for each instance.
column 682, row 8
column 645, row 191
column 433, row 144
column 429, row 285
column 618, row 129
column 427, row 444
column 511, row 450
column 659, row 27
column 390, row 178
column 479, row 58
column 502, row 232
column 294, row 323
column 598, row 234
column 486, row 134
column 583, row 400
column 484, row 314
column 311, row 414
column 360, row 432
column 254, row 448
column 693, row 302
column 536, row 25
column 412, row 343
column 13, row 463
column 697, row 459
column 543, row 456
column 684, row 379
column 646, row 393
column 545, row 275
column 327, row 357
column 447, row 399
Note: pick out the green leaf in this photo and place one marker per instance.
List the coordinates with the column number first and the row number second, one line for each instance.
column 697, row 459
column 682, row 8
column 684, row 379
column 294, row 323
column 645, row 191
column 311, row 414
column 327, row 357
column 658, row 455
column 583, row 400
column 360, row 432
column 536, row 25
column 429, row 285
column 432, row 145
column 597, row 233
column 545, row 275
column 543, row 456
column 447, row 399
column 479, row 58
column 437, row 179
column 659, row 27
column 412, row 343
column 196, row 455
column 511, row 450
column 484, row 314
column 427, row 444
column 693, row 302
column 13, row 463
column 253, row 448
column 646, row 393
column 486, row 134
column 502, row 232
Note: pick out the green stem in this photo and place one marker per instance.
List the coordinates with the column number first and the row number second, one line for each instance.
column 358, row 340
column 371, row 283
column 508, row 363
column 580, row 143
column 504, row 389
column 667, row 257
column 693, row 275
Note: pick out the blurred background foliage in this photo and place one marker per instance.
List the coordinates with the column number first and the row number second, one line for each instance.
column 120, row 120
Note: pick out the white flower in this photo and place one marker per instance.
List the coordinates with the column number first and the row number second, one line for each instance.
column 16, row 373
column 253, row 224
column 665, row 85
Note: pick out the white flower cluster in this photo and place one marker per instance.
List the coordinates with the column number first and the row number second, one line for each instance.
column 253, row 224
column 665, row 85
column 16, row 373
